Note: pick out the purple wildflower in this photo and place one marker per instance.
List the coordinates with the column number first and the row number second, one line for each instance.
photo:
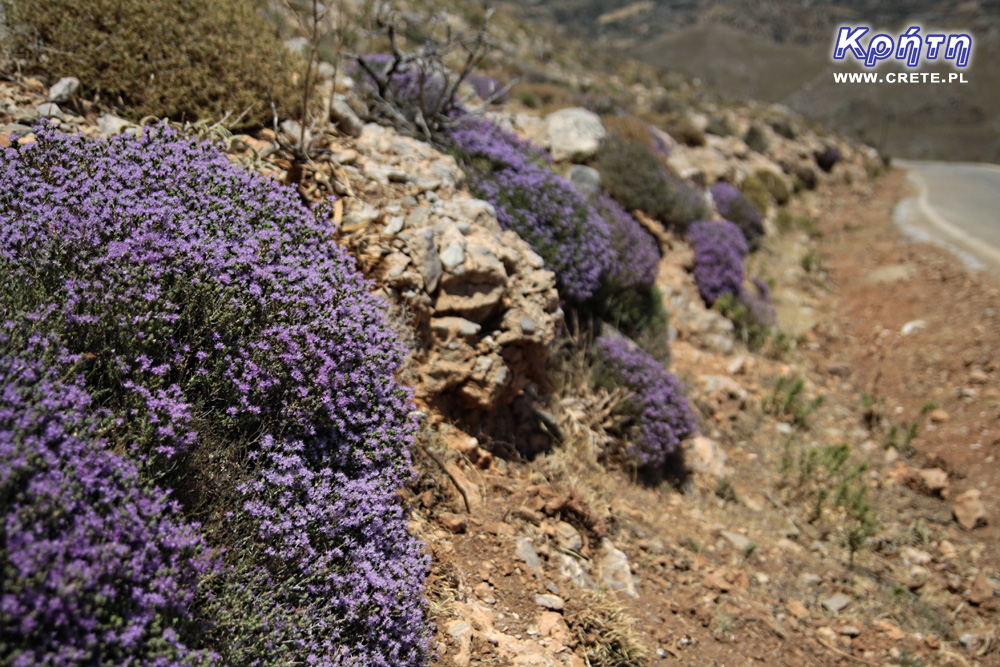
column 93, row 561
column 635, row 253
column 543, row 208
column 207, row 308
column 719, row 249
column 660, row 417
column 733, row 206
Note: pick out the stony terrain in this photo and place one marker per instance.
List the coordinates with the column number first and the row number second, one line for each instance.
column 541, row 554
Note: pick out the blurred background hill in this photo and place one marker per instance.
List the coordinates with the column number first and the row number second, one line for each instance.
column 779, row 51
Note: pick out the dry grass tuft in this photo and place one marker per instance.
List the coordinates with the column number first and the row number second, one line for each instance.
column 606, row 632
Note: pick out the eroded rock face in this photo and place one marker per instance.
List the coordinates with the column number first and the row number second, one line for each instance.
column 481, row 299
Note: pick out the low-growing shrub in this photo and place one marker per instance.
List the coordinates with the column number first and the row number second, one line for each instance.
column 733, row 206
column 751, row 313
column 543, row 208
column 636, row 177
column 720, row 126
column 659, row 417
column 630, row 128
column 94, row 562
column 774, row 184
column 635, row 252
column 755, row 139
column 783, row 127
column 307, row 518
column 186, row 60
column 719, row 248
column 827, row 158
column 756, row 192
column 212, row 315
column 627, row 297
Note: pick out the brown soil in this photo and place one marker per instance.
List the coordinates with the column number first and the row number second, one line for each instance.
column 705, row 599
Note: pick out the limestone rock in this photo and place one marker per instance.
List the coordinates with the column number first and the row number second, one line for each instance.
column 933, row 481
column 836, row 602
column 574, row 134
column 567, row 537
column 969, row 510
column 346, row 120
column 111, row 124
column 63, row 89
column 615, row 570
column 525, row 550
column 585, row 179
column 550, row 601
column 705, row 456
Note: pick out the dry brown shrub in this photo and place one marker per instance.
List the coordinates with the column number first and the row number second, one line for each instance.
column 181, row 59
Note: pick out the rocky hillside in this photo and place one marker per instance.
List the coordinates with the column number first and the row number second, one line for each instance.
column 667, row 450
column 780, row 52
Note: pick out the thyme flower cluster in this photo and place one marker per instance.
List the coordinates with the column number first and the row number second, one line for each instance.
column 541, row 207
column 658, row 411
column 210, row 317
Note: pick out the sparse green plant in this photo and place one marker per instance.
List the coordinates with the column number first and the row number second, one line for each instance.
column 812, row 261
column 749, row 550
column 898, row 436
column 917, row 533
column 907, row 659
column 724, row 490
column 832, row 487
column 724, row 623
column 788, row 400
column 786, row 222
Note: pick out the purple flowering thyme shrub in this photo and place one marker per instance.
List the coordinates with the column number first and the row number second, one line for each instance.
column 95, row 566
column 719, row 248
column 543, row 208
column 659, row 417
column 635, row 254
column 487, row 87
column 211, row 313
column 733, row 206
column 627, row 297
column 307, row 519
column 200, row 289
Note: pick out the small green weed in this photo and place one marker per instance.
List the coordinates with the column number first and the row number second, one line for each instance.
column 833, row 489
column 788, row 400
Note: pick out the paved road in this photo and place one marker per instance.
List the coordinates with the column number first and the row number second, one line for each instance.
column 957, row 205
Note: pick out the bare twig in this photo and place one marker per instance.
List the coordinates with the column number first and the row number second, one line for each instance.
column 454, row 481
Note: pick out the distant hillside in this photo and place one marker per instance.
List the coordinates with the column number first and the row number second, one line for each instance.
column 779, row 51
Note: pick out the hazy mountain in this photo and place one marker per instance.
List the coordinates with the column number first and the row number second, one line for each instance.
column 780, row 51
